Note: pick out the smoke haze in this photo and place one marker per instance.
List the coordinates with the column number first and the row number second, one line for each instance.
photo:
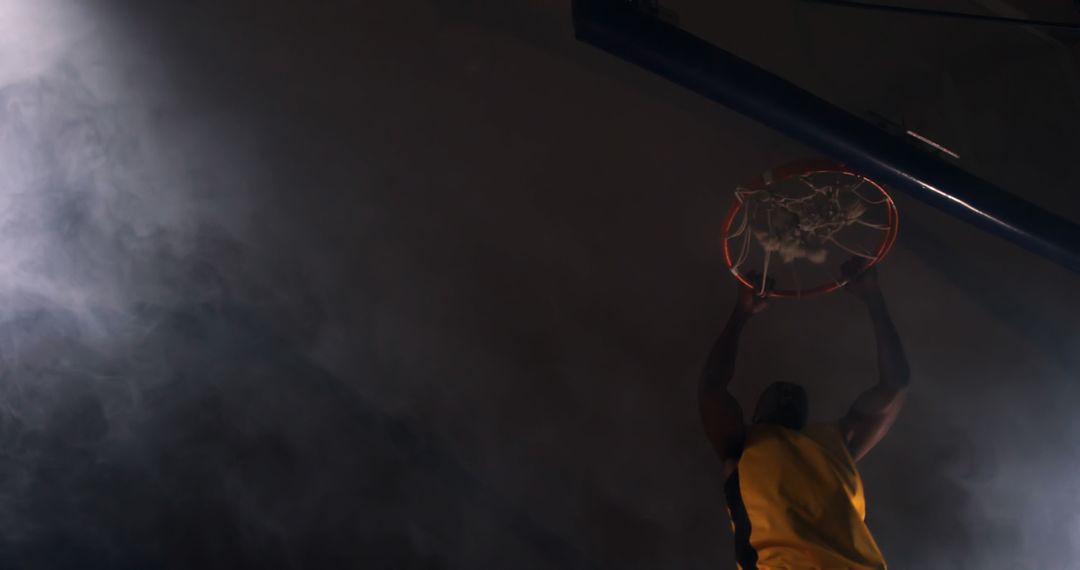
column 425, row 284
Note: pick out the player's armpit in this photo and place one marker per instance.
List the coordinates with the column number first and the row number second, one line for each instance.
column 722, row 418
column 871, row 417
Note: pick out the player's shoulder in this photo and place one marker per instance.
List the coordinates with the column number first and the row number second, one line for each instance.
column 823, row 430
column 828, row 428
column 828, row 435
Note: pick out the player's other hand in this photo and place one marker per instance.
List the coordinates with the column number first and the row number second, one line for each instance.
column 862, row 281
column 751, row 301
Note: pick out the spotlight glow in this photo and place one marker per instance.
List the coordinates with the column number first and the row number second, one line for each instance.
column 32, row 37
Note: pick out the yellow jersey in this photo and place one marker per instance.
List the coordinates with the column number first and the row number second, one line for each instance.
column 796, row 503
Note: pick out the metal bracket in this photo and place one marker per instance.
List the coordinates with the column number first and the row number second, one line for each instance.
column 689, row 61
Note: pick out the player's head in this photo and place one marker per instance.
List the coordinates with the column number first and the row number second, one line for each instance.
column 784, row 404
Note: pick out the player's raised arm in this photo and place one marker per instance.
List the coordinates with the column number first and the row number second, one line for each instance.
column 720, row 412
column 875, row 410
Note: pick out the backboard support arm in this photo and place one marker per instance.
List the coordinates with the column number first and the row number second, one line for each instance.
column 638, row 36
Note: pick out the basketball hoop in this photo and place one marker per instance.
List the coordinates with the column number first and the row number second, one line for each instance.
column 811, row 216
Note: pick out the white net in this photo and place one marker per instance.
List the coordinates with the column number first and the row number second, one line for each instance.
column 819, row 219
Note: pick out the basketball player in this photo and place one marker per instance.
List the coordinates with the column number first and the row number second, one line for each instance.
column 794, row 494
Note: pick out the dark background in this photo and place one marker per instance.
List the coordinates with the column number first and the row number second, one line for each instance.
column 427, row 284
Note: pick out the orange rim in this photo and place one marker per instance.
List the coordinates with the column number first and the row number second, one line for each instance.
column 802, row 168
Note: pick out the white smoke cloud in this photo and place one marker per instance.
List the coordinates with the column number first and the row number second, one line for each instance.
column 35, row 36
